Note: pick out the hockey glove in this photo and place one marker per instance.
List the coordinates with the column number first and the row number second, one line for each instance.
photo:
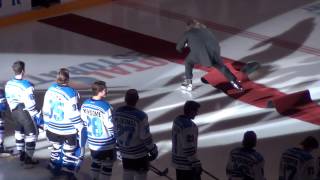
column 3, row 104
column 153, row 153
column 38, row 119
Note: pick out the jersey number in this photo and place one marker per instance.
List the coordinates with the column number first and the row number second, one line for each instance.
column 56, row 110
column 95, row 126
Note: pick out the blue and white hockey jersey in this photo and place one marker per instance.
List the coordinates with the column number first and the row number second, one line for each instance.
column 20, row 91
column 132, row 132
column 297, row 164
column 97, row 117
column 3, row 101
column 245, row 163
column 184, row 143
column 60, row 110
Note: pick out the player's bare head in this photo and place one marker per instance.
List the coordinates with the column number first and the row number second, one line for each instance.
column 131, row 97
column 18, row 67
column 193, row 23
column 63, row 76
column 191, row 108
column 98, row 86
column 249, row 139
column 310, row 143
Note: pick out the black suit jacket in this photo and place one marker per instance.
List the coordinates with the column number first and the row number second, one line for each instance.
column 204, row 47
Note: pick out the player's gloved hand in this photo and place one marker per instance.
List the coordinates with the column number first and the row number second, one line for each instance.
column 197, row 168
column 3, row 104
column 38, row 119
column 153, row 153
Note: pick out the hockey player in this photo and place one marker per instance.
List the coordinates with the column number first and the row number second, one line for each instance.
column 298, row 163
column 3, row 108
column 21, row 101
column 63, row 124
column 185, row 144
column 204, row 50
column 97, row 116
column 245, row 163
column 134, row 139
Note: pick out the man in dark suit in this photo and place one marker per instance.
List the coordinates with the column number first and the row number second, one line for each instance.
column 204, row 50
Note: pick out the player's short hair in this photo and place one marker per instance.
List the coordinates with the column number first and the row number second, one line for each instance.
column 131, row 97
column 193, row 23
column 18, row 67
column 249, row 139
column 190, row 106
column 98, row 86
column 63, row 76
column 310, row 143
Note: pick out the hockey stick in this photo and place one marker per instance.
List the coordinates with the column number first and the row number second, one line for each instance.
column 160, row 173
column 209, row 174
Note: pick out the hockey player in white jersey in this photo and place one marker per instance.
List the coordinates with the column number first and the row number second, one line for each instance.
column 245, row 163
column 97, row 116
column 21, row 101
column 297, row 163
column 185, row 144
column 62, row 123
column 134, row 139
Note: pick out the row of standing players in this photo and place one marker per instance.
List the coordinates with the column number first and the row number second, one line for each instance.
column 126, row 130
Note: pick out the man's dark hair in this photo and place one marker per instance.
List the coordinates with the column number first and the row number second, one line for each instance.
column 63, row 76
column 131, row 97
column 190, row 106
column 249, row 139
column 97, row 87
column 310, row 143
column 18, row 67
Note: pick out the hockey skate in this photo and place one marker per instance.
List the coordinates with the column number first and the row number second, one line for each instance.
column 29, row 162
column 236, row 85
column 187, row 85
column 250, row 67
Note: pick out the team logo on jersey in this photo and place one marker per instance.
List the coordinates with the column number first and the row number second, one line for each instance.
column 74, row 107
column 31, row 96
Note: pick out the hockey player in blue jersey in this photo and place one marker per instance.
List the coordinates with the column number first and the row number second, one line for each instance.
column 297, row 163
column 185, row 144
column 63, row 124
column 3, row 108
column 21, row 101
column 97, row 116
column 245, row 163
column 134, row 139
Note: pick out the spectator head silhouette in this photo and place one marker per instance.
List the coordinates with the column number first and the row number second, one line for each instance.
column 131, row 97
column 191, row 109
column 249, row 139
column 310, row 143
